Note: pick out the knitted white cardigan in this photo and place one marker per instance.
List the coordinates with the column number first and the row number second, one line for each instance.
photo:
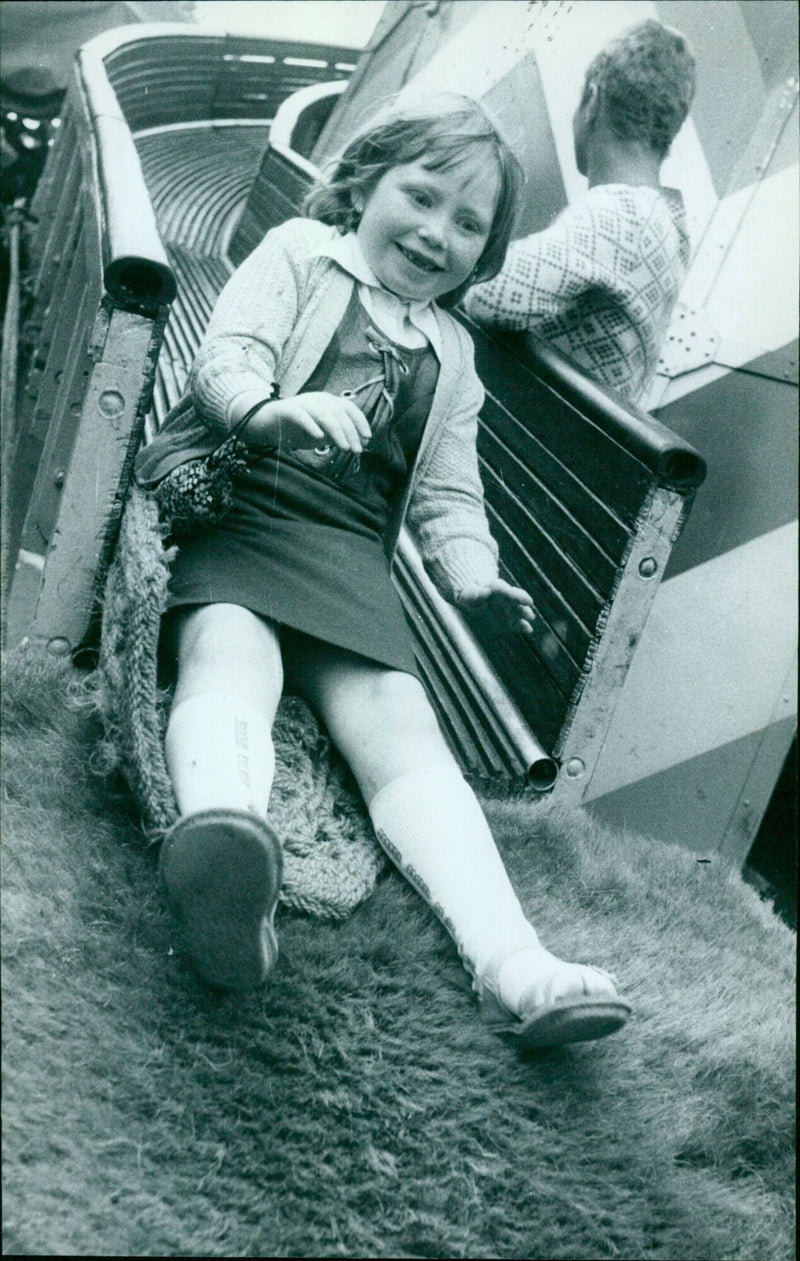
column 599, row 284
column 270, row 327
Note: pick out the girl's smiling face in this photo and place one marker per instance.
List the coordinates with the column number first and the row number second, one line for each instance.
column 422, row 230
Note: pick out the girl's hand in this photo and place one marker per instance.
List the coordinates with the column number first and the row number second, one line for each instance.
column 510, row 606
column 311, row 420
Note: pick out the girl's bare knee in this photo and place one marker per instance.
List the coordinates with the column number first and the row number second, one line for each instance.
column 224, row 647
column 401, row 706
column 389, row 728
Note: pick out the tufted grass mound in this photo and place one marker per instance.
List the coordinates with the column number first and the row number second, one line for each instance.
column 358, row 1106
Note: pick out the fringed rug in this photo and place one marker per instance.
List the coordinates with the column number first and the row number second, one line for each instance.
column 358, row 1106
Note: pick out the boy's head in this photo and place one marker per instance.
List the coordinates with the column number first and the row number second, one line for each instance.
column 642, row 83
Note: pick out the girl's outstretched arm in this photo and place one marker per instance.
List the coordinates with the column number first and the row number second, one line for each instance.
column 447, row 514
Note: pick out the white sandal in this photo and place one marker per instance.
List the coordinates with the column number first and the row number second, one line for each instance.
column 576, row 1018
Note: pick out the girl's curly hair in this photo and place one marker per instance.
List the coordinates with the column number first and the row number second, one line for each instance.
column 439, row 132
column 646, row 81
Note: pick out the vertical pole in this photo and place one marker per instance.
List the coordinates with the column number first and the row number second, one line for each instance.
column 8, row 398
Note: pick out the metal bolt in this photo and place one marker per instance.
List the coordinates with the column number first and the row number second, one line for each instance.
column 111, row 403
column 575, row 768
column 648, row 566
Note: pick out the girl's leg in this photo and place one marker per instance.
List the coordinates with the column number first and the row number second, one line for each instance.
column 429, row 821
column 219, row 745
column 221, row 863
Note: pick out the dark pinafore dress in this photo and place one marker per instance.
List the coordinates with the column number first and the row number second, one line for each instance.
column 302, row 543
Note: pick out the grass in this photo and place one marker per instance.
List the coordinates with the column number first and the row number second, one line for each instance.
column 358, row 1106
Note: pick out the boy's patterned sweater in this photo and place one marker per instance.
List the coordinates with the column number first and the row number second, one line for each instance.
column 270, row 327
column 599, row 284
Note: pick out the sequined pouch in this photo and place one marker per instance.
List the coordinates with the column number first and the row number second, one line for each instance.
column 200, row 491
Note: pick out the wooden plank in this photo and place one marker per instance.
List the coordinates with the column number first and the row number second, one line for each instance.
column 44, row 201
column 47, row 387
column 548, row 598
column 531, row 554
column 171, row 386
column 277, row 193
column 456, row 691
column 617, row 479
column 54, row 209
column 595, row 517
column 107, row 434
column 203, row 278
column 159, row 81
column 529, row 682
column 597, row 694
column 37, row 329
column 463, row 736
column 463, row 682
column 543, row 506
column 185, row 78
column 72, row 377
column 177, row 345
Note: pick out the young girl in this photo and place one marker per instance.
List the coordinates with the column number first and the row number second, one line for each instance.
column 333, row 336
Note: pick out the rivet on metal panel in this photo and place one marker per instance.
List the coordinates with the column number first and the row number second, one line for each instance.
column 575, row 768
column 58, row 646
column 111, row 402
column 648, row 566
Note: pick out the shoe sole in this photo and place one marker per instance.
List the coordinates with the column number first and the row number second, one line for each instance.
column 222, row 876
column 574, row 1020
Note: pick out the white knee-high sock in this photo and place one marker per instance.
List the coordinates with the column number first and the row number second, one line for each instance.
column 430, row 823
column 219, row 752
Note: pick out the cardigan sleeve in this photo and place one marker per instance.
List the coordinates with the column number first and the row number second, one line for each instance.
column 251, row 322
column 446, row 512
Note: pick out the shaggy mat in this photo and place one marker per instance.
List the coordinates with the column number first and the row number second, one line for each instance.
column 358, row 1106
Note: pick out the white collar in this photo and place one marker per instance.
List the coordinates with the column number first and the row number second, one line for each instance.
column 392, row 314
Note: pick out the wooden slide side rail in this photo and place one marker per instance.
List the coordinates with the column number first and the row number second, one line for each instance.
column 570, row 485
column 100, row 287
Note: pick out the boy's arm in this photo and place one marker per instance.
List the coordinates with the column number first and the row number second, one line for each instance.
column 542, row 274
